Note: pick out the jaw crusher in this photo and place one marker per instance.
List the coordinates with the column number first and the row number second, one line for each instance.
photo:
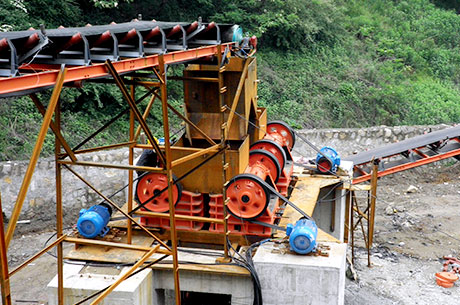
column 258, row 155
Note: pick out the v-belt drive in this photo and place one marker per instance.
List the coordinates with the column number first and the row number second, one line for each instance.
column 249, row 194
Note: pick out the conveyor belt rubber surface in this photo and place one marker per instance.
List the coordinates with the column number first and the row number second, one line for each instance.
column 399, row 147
column 86, row 45
column 407, row 154
column 30, row 60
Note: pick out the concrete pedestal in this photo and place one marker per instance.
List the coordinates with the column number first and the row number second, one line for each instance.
column 154, row 286
column 80, row 281
column 299, row 279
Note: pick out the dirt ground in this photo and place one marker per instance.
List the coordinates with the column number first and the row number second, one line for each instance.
column 413, row 232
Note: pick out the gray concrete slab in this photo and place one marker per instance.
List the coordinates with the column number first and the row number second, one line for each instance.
column 80, row 283
column 299, row 279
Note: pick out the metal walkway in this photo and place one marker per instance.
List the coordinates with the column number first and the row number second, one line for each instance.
column 407, row 154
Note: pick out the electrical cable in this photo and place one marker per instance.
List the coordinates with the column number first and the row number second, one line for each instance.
column 246, row 262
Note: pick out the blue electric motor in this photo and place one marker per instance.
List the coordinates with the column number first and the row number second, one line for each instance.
column 302, row 235
column 93, row 221
column 323, row 165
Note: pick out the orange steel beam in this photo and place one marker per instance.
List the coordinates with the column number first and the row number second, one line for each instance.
column 59, row 211
column 111, row 244
column 129, row 225
column 117, row 166
column 406, row 166
column 418, row 152
column 106, row 147
column 223, row 141
column 35, row 154
column 371, row 213
column 359, row 169
column 46, row 79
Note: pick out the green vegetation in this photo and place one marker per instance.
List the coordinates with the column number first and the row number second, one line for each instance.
column 323, row 63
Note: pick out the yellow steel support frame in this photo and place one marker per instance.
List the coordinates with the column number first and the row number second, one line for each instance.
column 125, row 276
column 356, row 215
column 59, row 212
column 35, row 154
column 129, row 227
column 56, row 129
column 132, row 105
column 53, row 108
column 38, row 254
column 223, row 143
column 4, row 276
column 144, row 116
column 172, row 220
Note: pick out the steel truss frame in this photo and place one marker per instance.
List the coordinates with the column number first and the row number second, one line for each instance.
column 56, row 79
column 356, row 214
column 414, row 152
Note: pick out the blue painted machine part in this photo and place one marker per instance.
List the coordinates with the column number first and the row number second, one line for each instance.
column 323, row 165
column 302, row 235
column 237, row 34
column 93, row 221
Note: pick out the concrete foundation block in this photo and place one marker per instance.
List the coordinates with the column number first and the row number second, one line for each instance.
column 81, row 281
column 300, row 279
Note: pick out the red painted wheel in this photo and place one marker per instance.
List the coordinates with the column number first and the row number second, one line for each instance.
column 284, row 130
column 152, row 184
column 248, row 196
column 268, row 160
column 273, row 147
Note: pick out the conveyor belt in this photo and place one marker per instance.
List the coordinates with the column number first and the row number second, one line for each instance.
column 30, row 60
column 407, row 154
column 83, row 46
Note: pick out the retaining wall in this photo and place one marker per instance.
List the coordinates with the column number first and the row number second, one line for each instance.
column 39, row 206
